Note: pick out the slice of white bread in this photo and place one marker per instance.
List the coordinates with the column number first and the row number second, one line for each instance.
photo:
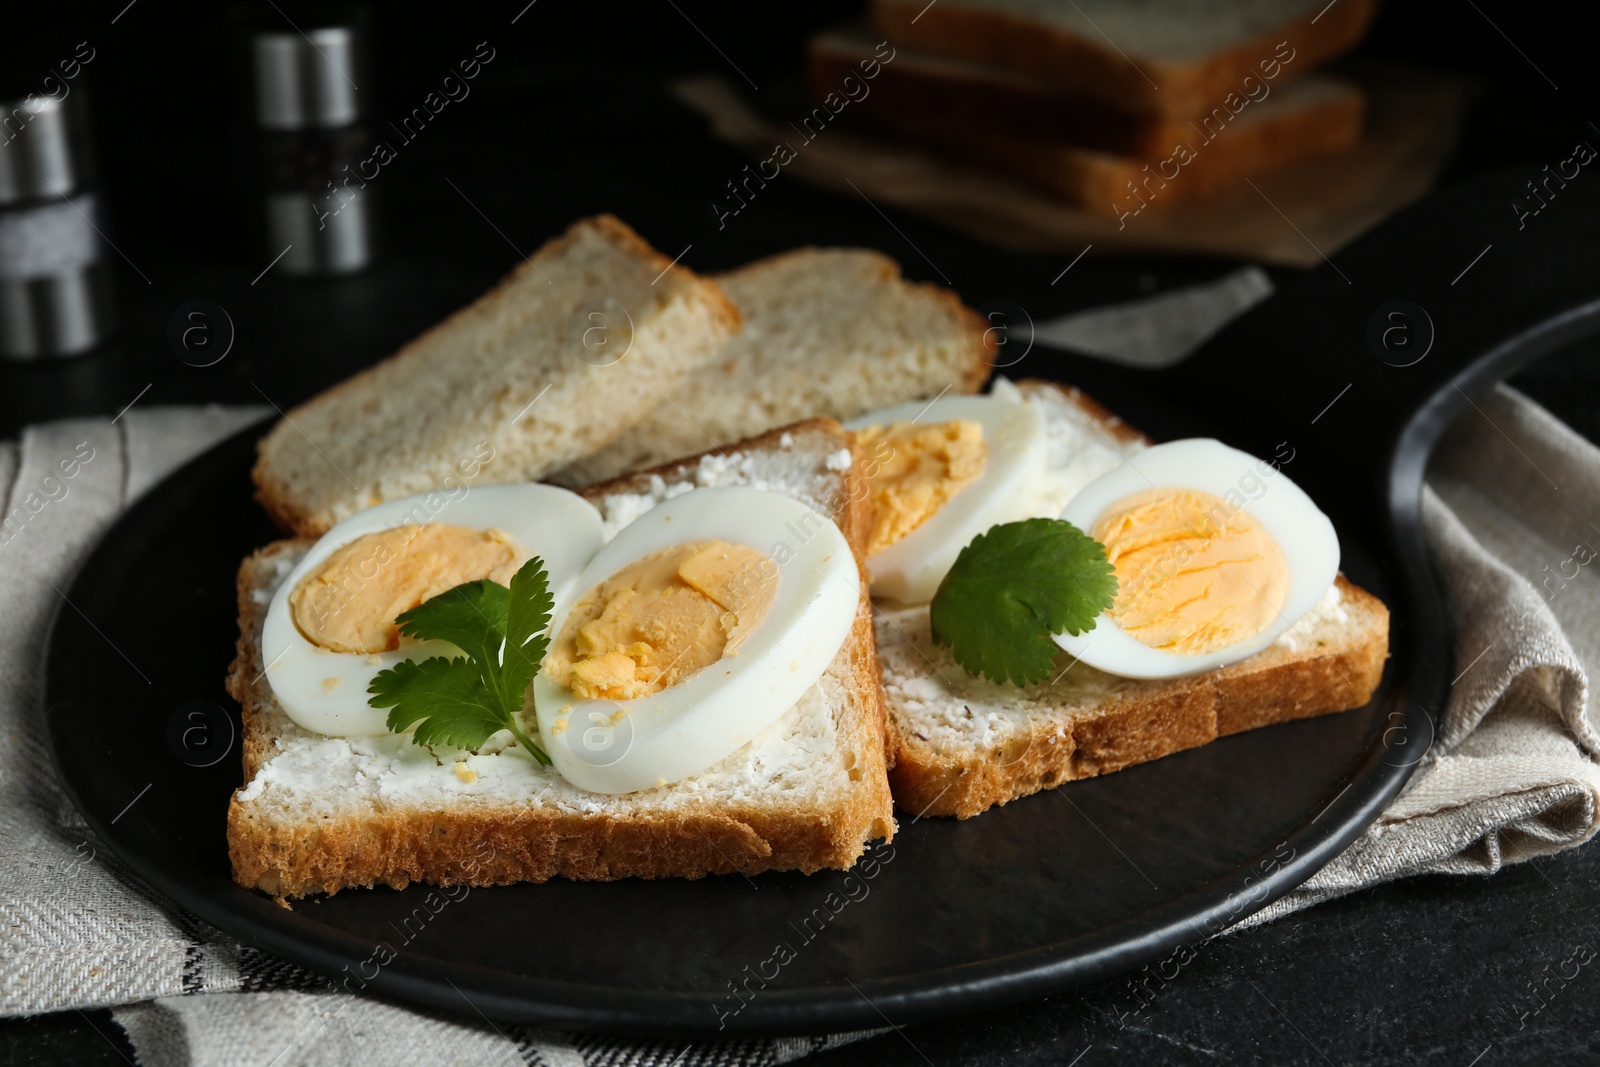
column 1085, row 152
column 1303, row 120
column 965, row 744
column 513, row 386
column 319, row 814
column 917, row 90
column 832, row 332
column 1150, row 57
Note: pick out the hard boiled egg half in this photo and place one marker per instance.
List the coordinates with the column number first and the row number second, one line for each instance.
column 1216, row 553
column 941, row 473
column 330, row 626
column 694, row 629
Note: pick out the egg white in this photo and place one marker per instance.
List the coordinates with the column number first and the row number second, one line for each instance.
column 326, row 691
column 911, row 569
column 620, row 746
column 1304, row 534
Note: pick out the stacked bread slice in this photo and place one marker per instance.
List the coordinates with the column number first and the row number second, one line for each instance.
column 512, row 387
column 1116, row 106
column 827, row 331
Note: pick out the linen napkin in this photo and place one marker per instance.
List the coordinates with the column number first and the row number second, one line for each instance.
column 1510, row 511
column 1510, row 507
column 1511, row 773
column 77, row 930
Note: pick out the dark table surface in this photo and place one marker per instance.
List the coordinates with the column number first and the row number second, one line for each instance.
column 565, row 123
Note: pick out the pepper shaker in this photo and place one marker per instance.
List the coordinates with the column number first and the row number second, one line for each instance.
column 307, row 96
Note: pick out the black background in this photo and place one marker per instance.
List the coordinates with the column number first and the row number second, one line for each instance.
column 570, row 119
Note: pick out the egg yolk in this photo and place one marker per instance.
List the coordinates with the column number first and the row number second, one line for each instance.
column 350, row 603
column 661, row 618
column 914, row 469
column 1193, row 574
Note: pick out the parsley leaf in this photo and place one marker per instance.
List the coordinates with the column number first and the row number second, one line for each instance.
column 464, row 701
column 449, row 696
column 1013, row 587
column 527, row 618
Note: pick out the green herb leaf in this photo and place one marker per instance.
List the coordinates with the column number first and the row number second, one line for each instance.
column 447, row 695
column 527, row 621
column 472, row 617
column 464, row 701
column 1013, row 587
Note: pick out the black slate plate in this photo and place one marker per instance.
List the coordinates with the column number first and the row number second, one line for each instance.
column 1047, row 893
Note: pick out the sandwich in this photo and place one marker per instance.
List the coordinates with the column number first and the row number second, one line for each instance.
column 1058, row 598
column 706, row 707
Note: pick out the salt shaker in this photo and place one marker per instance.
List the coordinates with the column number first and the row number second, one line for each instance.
column 55, row 285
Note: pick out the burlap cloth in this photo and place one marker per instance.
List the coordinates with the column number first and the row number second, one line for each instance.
column 1511, row 508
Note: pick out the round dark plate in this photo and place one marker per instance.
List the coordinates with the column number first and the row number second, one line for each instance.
column 1051, row 891
column 1044, row 891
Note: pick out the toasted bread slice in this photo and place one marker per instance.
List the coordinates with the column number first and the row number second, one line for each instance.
column 1304, row 120
column 1150, row 57
column 549, row 365
column 964, row 744
column 833, row 332
column 922, row 90
column 320, row 814
column 1086, row 152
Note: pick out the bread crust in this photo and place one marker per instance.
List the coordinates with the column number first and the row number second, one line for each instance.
column 247, row 670
column 1106, row 182
column 524, row 845
column 509, row 843
column 1085, row 66
column 1166, row 717
column 955, row 102
column 291, row 516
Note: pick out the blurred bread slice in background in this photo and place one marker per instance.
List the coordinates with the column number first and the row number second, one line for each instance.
column 832, row 332
column 1147, row 57
column 1313, row 117
column 575, row 345
column 1084, row 151
column 916, row 88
